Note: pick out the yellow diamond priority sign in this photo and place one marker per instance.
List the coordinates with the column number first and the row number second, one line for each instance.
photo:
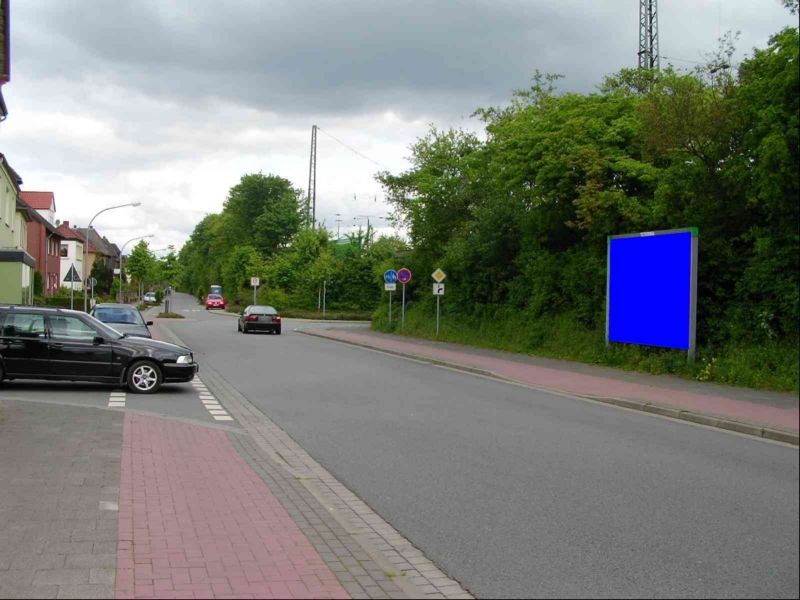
column 438, row 276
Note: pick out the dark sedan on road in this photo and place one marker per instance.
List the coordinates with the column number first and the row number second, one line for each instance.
column 124, row 318
column 259, row 318
column 60, row 344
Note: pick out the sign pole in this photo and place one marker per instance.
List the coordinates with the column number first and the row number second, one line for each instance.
column 72, row 295
column 403, row 313
column 324, row 295
column 254, row 294
column 437, row 315
column 390, row 309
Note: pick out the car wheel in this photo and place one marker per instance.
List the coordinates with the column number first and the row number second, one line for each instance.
column 244, row 328
column 2, row 374
column 144, row 377
column 278, row 331
column 238, row 326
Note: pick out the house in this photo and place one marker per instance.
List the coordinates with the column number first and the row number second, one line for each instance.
column 44, row 241
column 16, row 265
column 99, row 249
column 71, row 255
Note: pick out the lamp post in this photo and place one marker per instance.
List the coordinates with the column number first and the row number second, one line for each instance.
column 141, row 237
column 86, row 246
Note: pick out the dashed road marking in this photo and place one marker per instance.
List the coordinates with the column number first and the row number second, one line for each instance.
column 214, row 408
column 116, row 400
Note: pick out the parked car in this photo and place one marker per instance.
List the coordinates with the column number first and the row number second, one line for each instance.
column 150, row 297
column 60, row 344
column 215, row 301
column 259, row 318
column 124, row 318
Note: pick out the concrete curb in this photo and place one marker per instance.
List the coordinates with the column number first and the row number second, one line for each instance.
column 716, row 421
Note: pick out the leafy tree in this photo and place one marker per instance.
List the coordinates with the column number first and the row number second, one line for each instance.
column 103, row 275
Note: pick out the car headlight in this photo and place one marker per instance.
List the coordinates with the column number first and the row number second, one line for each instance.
column 185, row 359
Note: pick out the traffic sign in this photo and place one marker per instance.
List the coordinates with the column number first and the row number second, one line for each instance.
column 255, row 282
column 72, row 275
column 390, row 276
column 92, row 281
column 404, row 275
column 438, row 276
column 438, row 289
column 390, row 287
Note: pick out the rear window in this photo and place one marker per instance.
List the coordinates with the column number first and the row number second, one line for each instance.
column 263, row 310
column 119, row 315
column 24, row 325
column 214, row 297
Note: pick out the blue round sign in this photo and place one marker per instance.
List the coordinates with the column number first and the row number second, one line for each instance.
column 390, row 276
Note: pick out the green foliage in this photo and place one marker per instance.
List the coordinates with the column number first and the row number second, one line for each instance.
column 38, row 283
column 104, row 277
column 519, row 221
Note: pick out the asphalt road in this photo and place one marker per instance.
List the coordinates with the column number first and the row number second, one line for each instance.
column 519, row 493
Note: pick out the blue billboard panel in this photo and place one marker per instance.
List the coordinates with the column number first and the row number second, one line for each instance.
column 652, row 289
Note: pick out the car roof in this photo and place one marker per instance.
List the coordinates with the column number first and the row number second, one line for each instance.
column 45, row 310
column 114, row 305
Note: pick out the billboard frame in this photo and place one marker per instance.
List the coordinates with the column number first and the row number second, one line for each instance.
column 694, row 231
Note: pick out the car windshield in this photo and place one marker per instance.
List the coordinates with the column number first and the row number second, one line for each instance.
column 114, row 314
column 262, row 310
column 106, row 330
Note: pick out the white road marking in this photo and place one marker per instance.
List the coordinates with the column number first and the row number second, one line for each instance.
column 216, row 418
column 213, row 406
column 116, row 400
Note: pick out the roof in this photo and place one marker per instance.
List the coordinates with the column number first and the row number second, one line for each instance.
column 15, row 178
column 35, row 216
column 39, row 200
column 97, row 244
column 68, row 233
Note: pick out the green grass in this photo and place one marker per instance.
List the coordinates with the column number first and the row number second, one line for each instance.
column 169, row 315
column 769, row 366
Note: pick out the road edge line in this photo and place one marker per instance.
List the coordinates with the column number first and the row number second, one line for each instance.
column 674, row 413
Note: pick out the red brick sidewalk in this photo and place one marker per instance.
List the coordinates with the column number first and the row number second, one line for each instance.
column 196, row 521
column 703, row 398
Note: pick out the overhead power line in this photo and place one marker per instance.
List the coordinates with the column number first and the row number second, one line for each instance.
column 353, row 150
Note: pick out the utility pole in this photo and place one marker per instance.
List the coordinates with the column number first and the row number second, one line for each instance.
column 338, row 221
column 649, row 57
column 312, row 179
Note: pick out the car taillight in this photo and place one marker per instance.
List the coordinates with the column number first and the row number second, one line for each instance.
column 251, row 318
column 276, row 318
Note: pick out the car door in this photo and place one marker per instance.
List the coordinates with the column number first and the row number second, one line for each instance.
column 23, row 343
column 75, row 350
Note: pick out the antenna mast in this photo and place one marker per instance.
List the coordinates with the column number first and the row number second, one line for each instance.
column 649, row 57
column 311, row 203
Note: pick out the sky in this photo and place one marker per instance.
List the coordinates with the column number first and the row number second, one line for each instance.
column 169, row 103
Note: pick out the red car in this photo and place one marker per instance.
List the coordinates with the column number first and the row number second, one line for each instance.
column 215, row 301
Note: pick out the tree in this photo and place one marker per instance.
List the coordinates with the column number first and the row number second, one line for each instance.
column 104, row 277
column 140, row 263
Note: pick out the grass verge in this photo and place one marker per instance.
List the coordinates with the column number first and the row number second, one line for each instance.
column 169, row 315
column 769, row 366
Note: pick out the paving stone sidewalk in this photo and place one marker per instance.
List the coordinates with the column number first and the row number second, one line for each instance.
column 59, row 484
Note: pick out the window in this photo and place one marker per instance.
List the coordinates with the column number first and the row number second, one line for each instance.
column 71, row 329
column 23, row 325
column 64, row 251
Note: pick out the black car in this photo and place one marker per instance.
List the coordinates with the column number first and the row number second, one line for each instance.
column 122, row 317
column 259, row 318
column 55, row 343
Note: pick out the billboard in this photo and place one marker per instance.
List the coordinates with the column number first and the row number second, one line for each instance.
column 651, row 289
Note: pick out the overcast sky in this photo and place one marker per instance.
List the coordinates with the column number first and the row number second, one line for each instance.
column 169, row 103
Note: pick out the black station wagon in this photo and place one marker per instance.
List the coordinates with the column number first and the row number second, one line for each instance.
column 60, row 344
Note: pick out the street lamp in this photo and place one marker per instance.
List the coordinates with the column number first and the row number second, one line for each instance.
column 86, row 246
column 141, row 237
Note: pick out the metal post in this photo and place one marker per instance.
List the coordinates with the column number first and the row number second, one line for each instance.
column 403, row 312
column 437, row 315
column 390, row 309
column 324, row 295
column 91, row 282
column 254, row 294
column 120, row 277
column 72, row 295
column 319, row 298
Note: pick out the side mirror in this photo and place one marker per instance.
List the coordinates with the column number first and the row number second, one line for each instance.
column 98, row 339
column 149, row 323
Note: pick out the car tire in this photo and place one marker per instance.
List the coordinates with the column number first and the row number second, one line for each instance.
column 278, row 331
column 238, row 326
column 244, row 328
column 2, row 373
column 144, row 377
